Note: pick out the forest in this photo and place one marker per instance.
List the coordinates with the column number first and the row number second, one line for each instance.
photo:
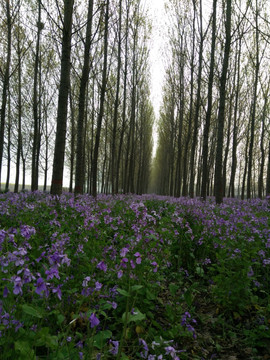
column 76, row 93
column 159, row 246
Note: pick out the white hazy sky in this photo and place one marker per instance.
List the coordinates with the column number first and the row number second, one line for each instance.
column 157, row 15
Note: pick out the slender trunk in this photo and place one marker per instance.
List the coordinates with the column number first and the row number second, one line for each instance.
column 268, row 173
column 8, row 145
column 197, row 108
column 5, row 86
column 205, row 169
column 46, row 150
column 19, row 146
column 253, row 110
column 116, row 104
column 235, row 123
column 60, row 141
column 245, row 167
column 102, row 102
column 34, row 179
column 79, row 176
column 261, row 172
column 185, row 160
column 72, row 142
column 221, row 111
column 228, row 140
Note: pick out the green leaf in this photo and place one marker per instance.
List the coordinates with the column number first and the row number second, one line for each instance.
column 136, row 287
column 136, row 316
column 45, row 339
column 25, row 350
column 150, row 295
column 199, row 271
column 60, row 319
column 36, row 312
column 173, row 288
column 101, row 337
column 123, row 292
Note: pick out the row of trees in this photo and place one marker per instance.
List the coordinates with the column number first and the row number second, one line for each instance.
column 215, row 109
column 75, row 92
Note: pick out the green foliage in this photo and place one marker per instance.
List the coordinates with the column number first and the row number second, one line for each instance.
column 126, row 271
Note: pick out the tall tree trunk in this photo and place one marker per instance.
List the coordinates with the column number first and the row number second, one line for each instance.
column 60, row 141
column 221, row 111
column 245, row 167
column 197, row 107
column 178, row 181
column 36, row 99
column 188, row 136
column 102, row 101
column 80, row 176
column 19, row 146
column 205, row 169
column 267, row 190
column 227, row 147
column 5, row 86
column 235, row 122
column 261, row 172
column 72, row 142
column 123, row 127
column 46, row 150
column 116, row 104
column 8, row 145
column 253, row 110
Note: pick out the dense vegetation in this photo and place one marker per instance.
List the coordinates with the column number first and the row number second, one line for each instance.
column 130, row 277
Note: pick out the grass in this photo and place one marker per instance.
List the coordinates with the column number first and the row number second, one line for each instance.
column 133, row 277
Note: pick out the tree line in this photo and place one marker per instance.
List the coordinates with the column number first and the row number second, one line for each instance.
column 214, row 120
column 75, row 87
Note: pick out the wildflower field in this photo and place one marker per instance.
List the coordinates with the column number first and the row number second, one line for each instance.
column 133, row 277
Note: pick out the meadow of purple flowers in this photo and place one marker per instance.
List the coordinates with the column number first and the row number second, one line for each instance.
column 133, row 277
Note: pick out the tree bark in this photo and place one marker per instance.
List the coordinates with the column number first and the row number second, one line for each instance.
column 102, row 101
column 60, row 141
column 221, row 111
column 5, row 86
column 36, row 99
column 205, row 170
column 80, row 176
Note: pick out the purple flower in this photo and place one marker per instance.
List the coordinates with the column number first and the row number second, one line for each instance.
column 27, row 231
column 250, row 273
column 57, row 290
column 40, row 287
column 102, row 266
column 145, row 347
column 52, row 272
column 93, row 320
column 113, row 303
column 17, row 285
column 98, row 286
column 154, row 263
column 79, row 345
column 120, row 274
column 123, row 252
column 171, row 351
column 85, row 281
column 114, row 349
column 5, row 292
